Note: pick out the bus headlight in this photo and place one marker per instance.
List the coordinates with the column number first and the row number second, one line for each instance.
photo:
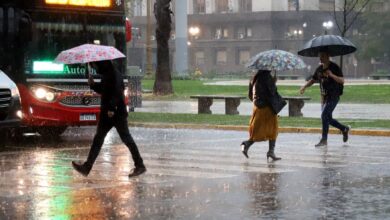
column 44, row 94
column 19, row 114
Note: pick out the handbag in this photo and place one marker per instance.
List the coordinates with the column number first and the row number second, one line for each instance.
column 278, row 103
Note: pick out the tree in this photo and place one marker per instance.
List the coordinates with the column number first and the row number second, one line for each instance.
column 163, row 82
column 350, row 11
column 376, row 32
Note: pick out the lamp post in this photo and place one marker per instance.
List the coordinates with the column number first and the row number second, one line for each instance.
column 194, row 32
column 149, row 69
column 327, row 25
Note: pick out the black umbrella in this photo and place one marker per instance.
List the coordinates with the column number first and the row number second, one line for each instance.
column 333, row 44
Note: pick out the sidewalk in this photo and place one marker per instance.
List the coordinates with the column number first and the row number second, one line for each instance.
column 351, row 111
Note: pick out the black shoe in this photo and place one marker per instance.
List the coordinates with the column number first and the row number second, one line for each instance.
column 272, row 155
column 244, row 150
column 322, row 142
column 81, row 168
column 137, row 171
column 345, row 133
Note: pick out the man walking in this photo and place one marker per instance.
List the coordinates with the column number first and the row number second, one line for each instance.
column 331, row 80
column 113, row 113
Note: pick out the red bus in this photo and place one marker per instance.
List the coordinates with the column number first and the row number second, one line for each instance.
column 32, row 33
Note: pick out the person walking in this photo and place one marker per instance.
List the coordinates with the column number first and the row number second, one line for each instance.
column 331, row 80
column 263, row 124
column 113, row 113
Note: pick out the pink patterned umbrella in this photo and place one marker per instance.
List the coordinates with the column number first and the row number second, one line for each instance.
column 88, row 53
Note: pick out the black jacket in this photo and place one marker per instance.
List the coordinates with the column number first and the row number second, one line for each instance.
column 111, row 88
column 329, row 87
column 266, row 93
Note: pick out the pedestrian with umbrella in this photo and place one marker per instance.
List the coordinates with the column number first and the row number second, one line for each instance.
column 267, row 102
column 330, row 77
column 113, row 112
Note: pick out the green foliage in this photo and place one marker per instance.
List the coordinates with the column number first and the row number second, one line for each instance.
column 375, row 41
column 381, row 72
column 376, row 94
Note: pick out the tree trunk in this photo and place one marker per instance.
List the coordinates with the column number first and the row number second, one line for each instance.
column 163, row 82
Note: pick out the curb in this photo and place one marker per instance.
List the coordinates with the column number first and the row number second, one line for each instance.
column 385, row 133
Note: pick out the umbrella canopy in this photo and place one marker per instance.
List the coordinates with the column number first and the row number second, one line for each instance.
column 275, row 60
column 333, row 44
column 88, row 53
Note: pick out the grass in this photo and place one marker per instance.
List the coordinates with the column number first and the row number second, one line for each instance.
column 376, row 94
column 207, row 119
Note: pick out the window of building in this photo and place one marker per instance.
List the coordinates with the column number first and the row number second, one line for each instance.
column 245, row 5
column 222, row 5
column 243, row 56
column 199, row 6
column 225, row 33
column 249, row 32
column 293, row 5
column 221, row 33
column 137, row 7
column 199, row 58
column 221, row 57
column 327, row 5
column 244, row 32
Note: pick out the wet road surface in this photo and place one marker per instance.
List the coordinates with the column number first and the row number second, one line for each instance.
column 196, row 174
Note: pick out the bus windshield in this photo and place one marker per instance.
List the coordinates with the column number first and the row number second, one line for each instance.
column 51, row 38
column 33, row 33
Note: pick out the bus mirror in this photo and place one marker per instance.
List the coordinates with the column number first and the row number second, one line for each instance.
column 128, row 30
column 25, row 27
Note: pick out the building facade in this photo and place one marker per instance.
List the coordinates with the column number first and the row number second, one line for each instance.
column 224, row 34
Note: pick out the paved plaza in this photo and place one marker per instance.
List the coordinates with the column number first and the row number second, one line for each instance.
column 313, row 110
column 196, row 174
column 310, row 109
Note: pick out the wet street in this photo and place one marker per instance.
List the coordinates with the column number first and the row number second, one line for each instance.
column 196, row 174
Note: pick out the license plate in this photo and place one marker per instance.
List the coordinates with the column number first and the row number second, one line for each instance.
column 87, row 117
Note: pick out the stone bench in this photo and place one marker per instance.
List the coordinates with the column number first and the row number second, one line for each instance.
column 293, row 77
column 205, row 101
column 295, row 105
column 380, row 76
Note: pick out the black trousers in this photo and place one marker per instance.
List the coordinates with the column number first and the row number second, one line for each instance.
column 104, row 126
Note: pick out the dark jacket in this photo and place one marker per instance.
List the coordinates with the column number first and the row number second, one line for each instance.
column 111, row 88
column 329, row 87
column 266, row 93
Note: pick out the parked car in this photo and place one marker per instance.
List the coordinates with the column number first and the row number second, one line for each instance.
column 10, row 108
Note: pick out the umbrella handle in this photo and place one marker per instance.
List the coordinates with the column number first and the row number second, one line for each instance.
column 88, row 71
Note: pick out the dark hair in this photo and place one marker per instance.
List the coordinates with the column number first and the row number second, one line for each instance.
column 104, row 66
column 256, row 76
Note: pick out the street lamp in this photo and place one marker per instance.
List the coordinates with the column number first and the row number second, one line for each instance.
column 194, row 31
column 327, row 26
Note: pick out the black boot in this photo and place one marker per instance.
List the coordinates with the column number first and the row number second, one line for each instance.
column 137, row 171
column 82, row 168
column 271, row 152
column 345, row 133
column 245, row 147
column 323, row 142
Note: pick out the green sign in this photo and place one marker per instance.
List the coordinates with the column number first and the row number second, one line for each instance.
column 51, row 68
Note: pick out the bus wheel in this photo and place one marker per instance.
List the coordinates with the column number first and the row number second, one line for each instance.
column 51, row 131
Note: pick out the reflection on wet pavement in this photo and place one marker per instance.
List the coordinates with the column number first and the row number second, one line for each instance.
column 196, row 174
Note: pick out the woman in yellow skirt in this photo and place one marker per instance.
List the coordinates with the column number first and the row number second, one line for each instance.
column 263, row 124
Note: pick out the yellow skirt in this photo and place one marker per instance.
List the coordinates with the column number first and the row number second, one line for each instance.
column 263, row 124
